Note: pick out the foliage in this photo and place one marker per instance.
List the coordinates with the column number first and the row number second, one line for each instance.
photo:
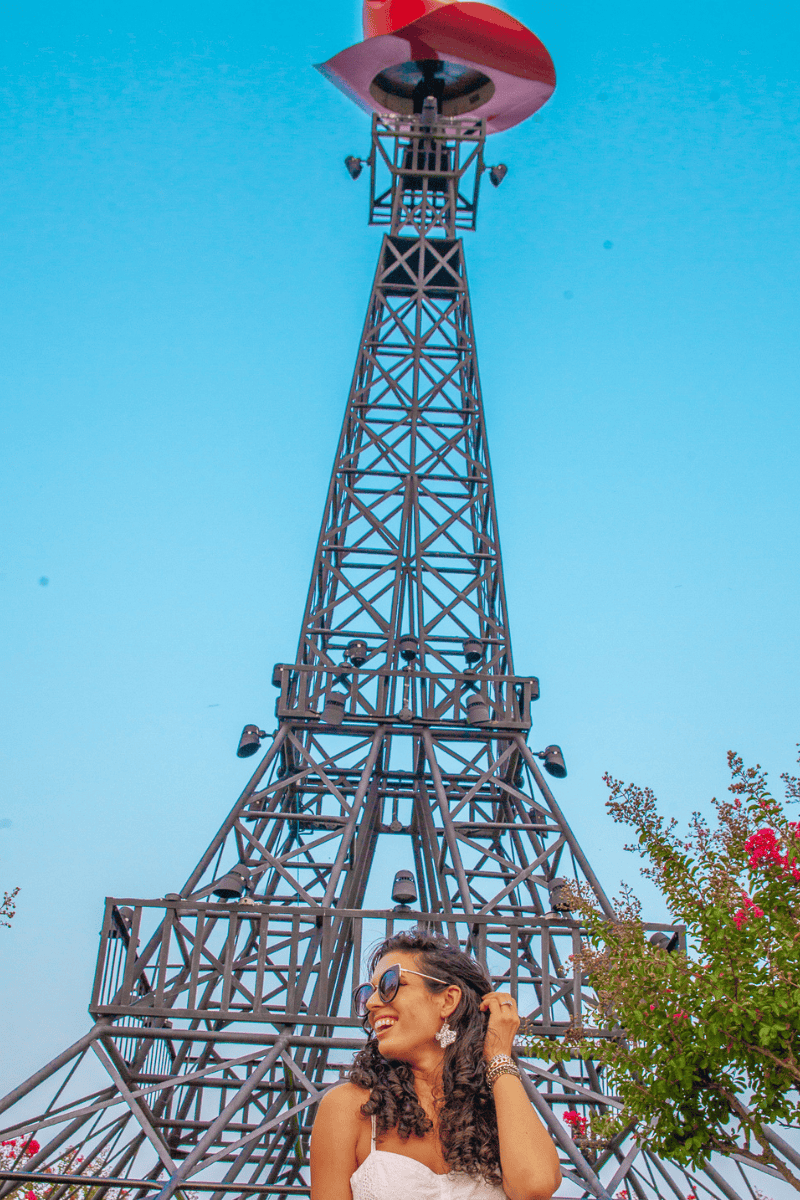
column 8, row 907
column 702, row 1045
column 15, row 1156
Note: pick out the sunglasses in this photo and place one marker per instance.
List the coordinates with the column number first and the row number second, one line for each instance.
column 386, row 987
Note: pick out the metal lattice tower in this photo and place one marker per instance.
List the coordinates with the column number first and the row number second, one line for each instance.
column 223, row 1011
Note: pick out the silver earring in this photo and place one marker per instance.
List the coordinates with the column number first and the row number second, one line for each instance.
column 446, row 1036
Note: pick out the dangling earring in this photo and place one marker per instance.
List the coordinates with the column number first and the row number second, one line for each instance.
column 446, row 1036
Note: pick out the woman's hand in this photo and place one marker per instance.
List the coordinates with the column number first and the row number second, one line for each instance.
column 503, row 1024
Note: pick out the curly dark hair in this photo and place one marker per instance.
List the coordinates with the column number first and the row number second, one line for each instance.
column 467, row 1118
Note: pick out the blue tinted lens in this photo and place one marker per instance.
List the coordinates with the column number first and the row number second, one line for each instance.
column 360, row 997
column 388, row 984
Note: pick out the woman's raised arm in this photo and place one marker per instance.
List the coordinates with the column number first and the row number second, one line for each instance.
column 528, row 1157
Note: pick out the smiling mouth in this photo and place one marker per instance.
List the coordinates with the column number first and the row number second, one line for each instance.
column 383, row 1025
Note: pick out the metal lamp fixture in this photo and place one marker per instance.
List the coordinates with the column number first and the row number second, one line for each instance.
column 250, row 741
column 478, row 711
column 497, row 174
column 665, row 941
column 553, row 761
column 473, row 650
column 333, row 713
column 125, row 916
column 234, row 884
column 357, row 652
column 404, row 889
column 559, row 898
column 408, row 646
column 355, row 165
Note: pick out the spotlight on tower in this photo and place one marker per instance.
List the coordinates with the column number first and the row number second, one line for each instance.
column 234, row 884
column 408, row 647
column 553, row 761
column 357, row 652
column 478, row 711
column 333, row 713
column 497, row 174
column 473, row 650
column 404, row 889
column 354, row 165
column 665, row 941
column 124, row 922
column 250, row 741
column 560, row 902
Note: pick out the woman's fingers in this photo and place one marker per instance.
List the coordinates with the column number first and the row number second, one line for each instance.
column 498, row 1000
column 502, row 1025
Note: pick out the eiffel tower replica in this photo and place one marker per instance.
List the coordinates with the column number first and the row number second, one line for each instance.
column 398, row 788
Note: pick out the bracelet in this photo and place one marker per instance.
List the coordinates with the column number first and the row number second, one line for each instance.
column 501, row 1064
column 500, row 1058
column 498, row 1071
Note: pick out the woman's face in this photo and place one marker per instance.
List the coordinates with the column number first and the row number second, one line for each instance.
column 406, row 1024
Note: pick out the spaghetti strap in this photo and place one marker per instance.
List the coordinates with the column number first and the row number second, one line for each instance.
column 372, row 1143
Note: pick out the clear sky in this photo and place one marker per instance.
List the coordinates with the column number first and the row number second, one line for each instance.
column 185, row 268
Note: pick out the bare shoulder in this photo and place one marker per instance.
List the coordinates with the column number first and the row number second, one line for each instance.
column 343, row 1103
column 335, row 1141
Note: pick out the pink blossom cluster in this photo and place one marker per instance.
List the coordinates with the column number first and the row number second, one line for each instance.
column 764, row 846
column 11, row 1151
column 29, row 1148
column 577, row 1123
column 749, row 909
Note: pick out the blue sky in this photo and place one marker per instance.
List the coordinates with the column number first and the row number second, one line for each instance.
column 185, row 269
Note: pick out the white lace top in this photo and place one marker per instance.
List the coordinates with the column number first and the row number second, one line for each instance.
column 387, row 1176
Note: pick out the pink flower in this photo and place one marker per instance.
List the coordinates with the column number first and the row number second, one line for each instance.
column 750, row 909
column 31, row 1196
column 31, row 1148
column 763, row 846
column 652, row 1008
column 576, row 1121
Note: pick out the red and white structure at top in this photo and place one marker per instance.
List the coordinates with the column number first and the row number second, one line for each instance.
column 473, row 58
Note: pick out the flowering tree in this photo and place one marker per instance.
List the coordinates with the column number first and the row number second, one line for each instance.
column 15, row 1155
column 8, row 907
column 702, row 1045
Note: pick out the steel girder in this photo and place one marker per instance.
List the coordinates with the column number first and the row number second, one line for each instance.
column 223, row 1012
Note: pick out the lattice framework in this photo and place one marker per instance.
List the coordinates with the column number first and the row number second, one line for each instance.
column 221, row 1019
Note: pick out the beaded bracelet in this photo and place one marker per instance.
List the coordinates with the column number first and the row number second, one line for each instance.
column 498, row 1071
column 501, row 1064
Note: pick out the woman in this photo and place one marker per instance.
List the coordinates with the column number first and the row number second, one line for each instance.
column 434, row 1108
